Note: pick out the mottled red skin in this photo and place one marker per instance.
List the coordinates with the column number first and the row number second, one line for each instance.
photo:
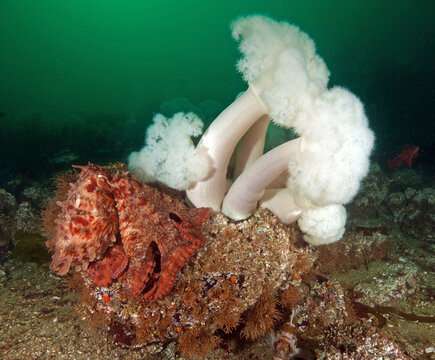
column 154, row 233
column 87, row 224
column 110, row 267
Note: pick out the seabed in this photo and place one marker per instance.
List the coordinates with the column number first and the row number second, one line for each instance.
column 369, row 296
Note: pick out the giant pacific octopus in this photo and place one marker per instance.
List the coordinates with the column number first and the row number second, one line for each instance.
column 117, row 228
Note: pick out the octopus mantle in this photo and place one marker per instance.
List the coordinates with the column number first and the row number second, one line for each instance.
column 116, row 227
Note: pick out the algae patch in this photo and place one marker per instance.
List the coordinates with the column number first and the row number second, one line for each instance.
column 30, row 248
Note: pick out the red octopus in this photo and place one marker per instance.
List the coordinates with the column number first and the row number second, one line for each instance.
column 116, row 227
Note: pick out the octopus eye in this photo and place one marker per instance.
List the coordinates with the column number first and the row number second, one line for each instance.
column 175, row 217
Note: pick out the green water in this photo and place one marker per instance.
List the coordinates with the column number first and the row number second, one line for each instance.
column 81, row 79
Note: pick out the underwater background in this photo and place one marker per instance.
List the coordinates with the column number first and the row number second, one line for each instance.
column 81, row 80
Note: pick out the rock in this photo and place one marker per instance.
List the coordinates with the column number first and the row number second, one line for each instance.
column 8, row 206
column 27, row 219
column 36, row 195
column 414, row 211
column 373, row 191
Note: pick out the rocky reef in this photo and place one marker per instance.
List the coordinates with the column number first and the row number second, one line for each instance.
column 235, row 277
column 241, row 281
column 404, row 197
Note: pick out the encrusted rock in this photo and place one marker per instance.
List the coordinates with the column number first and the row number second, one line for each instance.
column 374, row 189
column 36, row 194
column 8, row 206
column 27, row 219
column 389, row 283
column 326, row 319
column 239, row 262
column 414, row 211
